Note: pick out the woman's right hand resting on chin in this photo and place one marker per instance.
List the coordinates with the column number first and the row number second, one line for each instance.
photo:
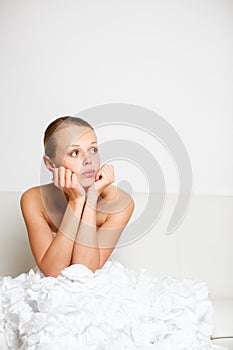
column 53, row 254
column 67, row 181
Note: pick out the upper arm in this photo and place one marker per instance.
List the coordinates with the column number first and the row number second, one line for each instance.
column 110, row 232
column 39, row 232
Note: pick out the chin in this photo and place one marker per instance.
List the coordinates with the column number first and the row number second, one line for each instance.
column 87, row 182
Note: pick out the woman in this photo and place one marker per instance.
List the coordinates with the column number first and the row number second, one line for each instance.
column 76, row 203
column 76, row 297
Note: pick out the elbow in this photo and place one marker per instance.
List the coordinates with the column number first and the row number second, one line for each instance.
column 49, row 271
column 92, row 267
column 51, row 274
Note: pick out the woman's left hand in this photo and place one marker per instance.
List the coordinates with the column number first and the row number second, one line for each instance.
column 104, row 178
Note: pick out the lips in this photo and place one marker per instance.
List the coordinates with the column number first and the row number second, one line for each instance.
column 89, row 173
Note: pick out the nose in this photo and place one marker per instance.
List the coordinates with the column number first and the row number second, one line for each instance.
column 87, row 159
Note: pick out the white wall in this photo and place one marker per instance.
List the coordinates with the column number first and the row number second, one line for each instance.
column 59, row 57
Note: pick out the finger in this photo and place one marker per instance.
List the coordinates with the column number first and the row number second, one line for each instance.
column 74, row 181
column 67, row 178
column 98, row 174
column 109, row 172
column 55, row 176
column 111, row 169
column 106, row 172
column 109, row 166
column 106, row 175
column 61, row 176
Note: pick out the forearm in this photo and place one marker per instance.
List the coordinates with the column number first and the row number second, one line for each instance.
column 59, row 254
column 86, row 250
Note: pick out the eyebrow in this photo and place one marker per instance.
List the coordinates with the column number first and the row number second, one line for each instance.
column 79, row 145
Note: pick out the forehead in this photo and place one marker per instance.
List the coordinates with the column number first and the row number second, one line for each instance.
column 73, row 134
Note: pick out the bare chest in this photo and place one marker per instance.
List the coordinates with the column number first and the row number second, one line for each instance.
column 54, row 214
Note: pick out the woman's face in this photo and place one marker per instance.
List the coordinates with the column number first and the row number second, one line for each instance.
column 77, row 150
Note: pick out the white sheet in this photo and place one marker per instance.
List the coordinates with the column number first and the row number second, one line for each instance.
column 113, row 308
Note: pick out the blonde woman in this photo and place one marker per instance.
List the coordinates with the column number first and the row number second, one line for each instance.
column 80, row 188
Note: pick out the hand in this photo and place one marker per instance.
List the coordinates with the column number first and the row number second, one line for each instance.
column 68, row 182
column 104, row 178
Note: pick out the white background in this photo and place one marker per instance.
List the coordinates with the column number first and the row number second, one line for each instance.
column 59, row 57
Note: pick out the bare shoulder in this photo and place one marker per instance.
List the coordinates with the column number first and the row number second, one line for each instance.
column 31, row 197
column 29, row 193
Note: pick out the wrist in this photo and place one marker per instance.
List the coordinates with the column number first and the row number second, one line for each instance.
column 76, row 202
column 92, row 198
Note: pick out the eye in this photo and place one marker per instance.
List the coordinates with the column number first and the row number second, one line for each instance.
column 96, row 149
column 73, row 152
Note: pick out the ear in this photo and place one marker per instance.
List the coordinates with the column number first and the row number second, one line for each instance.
column 48, row 163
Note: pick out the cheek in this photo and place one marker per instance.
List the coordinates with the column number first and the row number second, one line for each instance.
column 95, row 160
column 72, row 164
